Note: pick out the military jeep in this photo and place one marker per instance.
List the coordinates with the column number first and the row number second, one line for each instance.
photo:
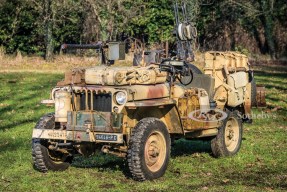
column 136, row 112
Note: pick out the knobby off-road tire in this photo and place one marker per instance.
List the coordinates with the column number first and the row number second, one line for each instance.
column 253, row 93
column 229, row 137
column 43, row 158
column 149, row 150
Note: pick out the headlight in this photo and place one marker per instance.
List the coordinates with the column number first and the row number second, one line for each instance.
column 121, row 97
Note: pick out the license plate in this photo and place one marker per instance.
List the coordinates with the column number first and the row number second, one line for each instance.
column 49, row 134
column 105, row 137
column 57, row 134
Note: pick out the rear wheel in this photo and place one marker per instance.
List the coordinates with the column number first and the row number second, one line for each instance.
column 45, row 159
column 149, row 150
column 229, row 137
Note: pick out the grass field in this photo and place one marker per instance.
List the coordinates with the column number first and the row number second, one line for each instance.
column 261, row 165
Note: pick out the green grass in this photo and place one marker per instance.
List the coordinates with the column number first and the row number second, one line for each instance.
column 261, row 164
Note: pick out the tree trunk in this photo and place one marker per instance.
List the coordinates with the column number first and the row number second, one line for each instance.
column 48, row 13
column 268, row 25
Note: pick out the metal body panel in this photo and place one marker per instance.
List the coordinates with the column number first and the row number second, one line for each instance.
column 201, row 133
column 195, row 100
column 145, row 92
column 94, row 121
column 89, row 101
column 150, row 103
column 168, row 114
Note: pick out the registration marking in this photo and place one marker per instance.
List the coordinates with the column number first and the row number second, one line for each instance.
column 57, row 134
column 77, row 135
column 105, row 137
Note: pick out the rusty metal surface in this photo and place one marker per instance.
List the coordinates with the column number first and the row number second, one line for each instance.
column 88, row 90
column 168, row 114
column 144, row 92
column 191, row 102
column 154, row 102
column 99, row 121
column 201, row 133
column 260, row 96
column 75, row 76
column 186, row 105
column 134, row 92
column 173, row 121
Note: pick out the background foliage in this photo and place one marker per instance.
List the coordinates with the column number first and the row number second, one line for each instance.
column 256, row 26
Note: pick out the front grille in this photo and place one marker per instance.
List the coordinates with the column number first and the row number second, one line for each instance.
column 101, row 102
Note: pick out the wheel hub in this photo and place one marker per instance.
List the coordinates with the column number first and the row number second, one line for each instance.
column 155, row 151
column 231, row 134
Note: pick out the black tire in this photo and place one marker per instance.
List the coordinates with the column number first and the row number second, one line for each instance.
column 222, row 145
column 41, row 155
column 148, row 155
column 194, row 69
column 253, row 93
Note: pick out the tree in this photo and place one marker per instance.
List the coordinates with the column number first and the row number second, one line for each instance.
column 41, row 26
column 17, row 26
column 266, row 6
column 110, row 16
column 156, row 22
column 49, row 23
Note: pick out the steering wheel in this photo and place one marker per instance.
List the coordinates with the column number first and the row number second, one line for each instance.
column 185, row 76
column 181, row 72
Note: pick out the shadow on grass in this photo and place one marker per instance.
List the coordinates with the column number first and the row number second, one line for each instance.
column 276, row 87
column 270, row 74
column 24, row 94
column 105, row 163
column 189, row 147
column 13, row 144
column 282, row 68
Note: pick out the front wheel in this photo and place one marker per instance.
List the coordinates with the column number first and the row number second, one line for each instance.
column 45, row 159
column 149, row 150
column 229, row 137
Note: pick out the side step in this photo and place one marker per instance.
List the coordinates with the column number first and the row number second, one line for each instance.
column 201, row 133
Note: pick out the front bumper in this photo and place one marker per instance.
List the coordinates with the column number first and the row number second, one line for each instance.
column 77, row 136
column 87, row 126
